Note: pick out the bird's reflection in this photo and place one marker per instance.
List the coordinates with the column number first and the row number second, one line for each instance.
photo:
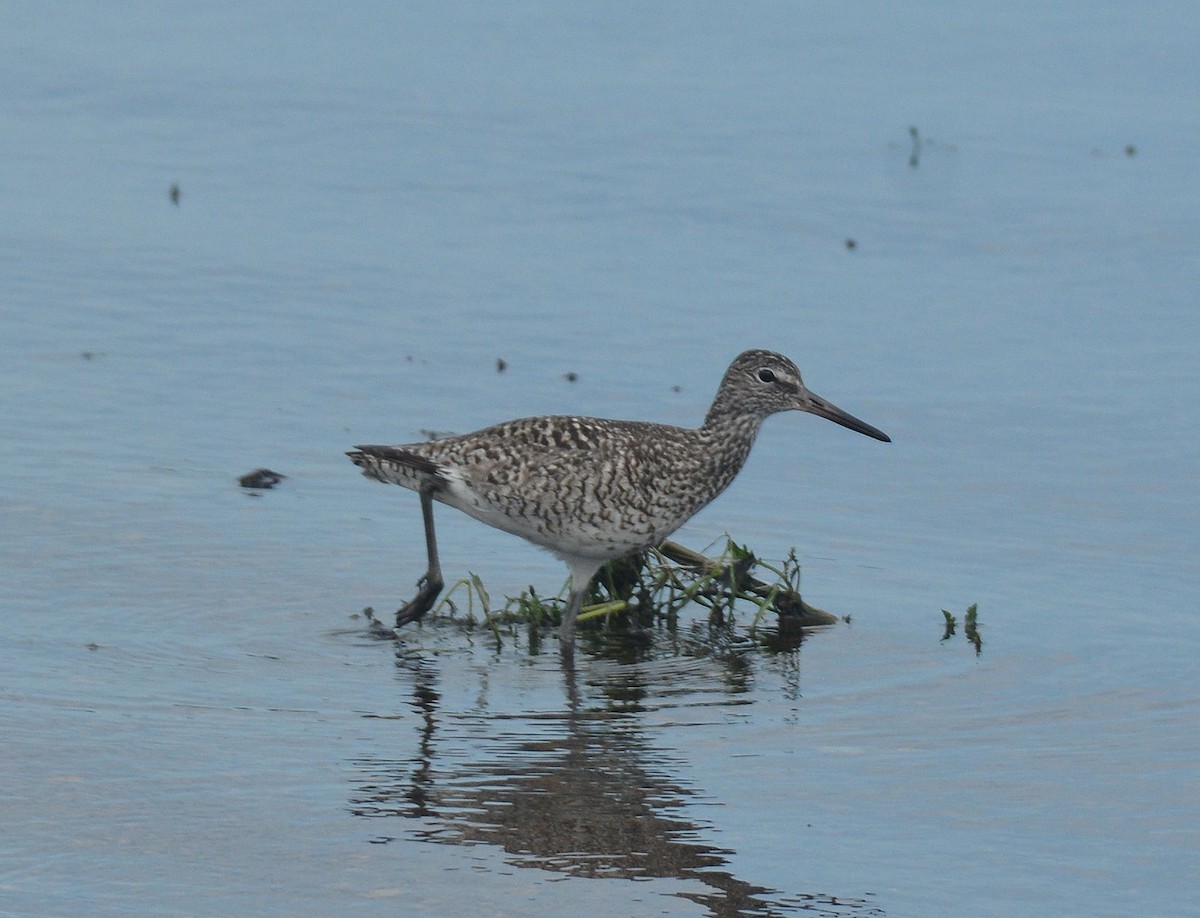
column 579, row 791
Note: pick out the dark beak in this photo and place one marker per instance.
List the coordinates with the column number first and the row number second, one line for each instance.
column 814, row 404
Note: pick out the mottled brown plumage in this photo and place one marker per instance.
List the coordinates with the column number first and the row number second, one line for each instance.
column 590, row 489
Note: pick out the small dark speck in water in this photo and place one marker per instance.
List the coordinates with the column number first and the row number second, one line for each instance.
column 571, row 377
column 176, row 194
column 90, row 355
column 677, row 388
column 1130, row 150
column 92, row 645
column 261, row 479
column 851, row 244
column 501, row 364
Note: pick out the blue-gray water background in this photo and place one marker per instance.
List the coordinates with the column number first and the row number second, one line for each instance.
column 376, row 203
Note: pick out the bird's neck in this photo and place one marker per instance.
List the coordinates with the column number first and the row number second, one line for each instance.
column 729, row 435
column 728, row 418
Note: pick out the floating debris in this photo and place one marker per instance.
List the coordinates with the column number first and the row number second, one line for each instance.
column 914, row 158
column 501, row 365
column 176, row 194
column 571, row 377
column 261, row 479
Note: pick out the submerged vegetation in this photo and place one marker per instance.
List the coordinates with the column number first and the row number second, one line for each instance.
column 645, row 591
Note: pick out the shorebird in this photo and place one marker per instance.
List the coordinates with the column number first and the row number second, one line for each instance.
column 592, row 490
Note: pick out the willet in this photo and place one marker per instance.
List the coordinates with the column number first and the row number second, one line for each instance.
column 590, row 489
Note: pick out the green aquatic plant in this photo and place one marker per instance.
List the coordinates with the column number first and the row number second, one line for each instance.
column 970, row 627
column 951, row 625
column 645, row 590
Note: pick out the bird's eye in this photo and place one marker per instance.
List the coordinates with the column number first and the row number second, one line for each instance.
column 767, row 376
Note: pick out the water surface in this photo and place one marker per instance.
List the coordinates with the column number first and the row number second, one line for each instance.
column 376, row 204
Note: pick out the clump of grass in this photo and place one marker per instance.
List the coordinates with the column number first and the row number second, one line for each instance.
column 648, row 589
column 970, row 627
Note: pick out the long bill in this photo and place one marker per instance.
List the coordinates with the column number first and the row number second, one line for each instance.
column 814, row 404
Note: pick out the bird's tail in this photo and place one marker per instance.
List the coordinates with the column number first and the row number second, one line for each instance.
column 395, row 465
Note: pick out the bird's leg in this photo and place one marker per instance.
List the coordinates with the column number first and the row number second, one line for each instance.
column 566, row 631
column 582, row 572
column 430, row 585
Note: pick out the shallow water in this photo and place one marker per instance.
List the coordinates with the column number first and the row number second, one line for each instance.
column 377, row 204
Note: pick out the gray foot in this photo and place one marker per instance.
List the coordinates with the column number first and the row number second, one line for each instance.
column 428, row 588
